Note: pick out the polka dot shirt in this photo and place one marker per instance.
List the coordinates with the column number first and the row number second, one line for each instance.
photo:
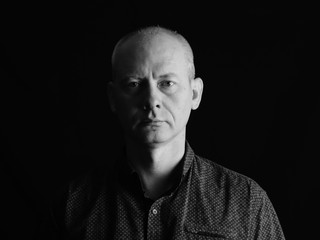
column 208, row 202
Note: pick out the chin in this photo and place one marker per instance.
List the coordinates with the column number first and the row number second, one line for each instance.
column 154, row 138
column 151, row 139
column 154, row 141
column 159, row 139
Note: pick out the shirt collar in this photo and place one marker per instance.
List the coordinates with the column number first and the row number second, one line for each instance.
column 187, row 159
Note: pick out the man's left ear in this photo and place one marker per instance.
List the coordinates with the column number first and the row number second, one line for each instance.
column 197, row 89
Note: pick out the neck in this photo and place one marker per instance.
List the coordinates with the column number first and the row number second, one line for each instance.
column 156, row 164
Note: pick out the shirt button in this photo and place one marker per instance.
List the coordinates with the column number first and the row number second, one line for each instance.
column 154, row 211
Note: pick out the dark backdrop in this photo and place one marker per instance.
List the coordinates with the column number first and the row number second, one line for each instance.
column 259, row 113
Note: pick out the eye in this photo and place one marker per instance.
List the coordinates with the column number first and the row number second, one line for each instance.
column 132, row 84
column 166, row 83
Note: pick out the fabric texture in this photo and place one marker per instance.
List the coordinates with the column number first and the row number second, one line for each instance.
column 208, row 202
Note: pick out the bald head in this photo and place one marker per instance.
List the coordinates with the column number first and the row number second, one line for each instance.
column 143, row 37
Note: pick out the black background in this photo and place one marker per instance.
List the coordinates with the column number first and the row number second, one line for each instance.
column 259, row 112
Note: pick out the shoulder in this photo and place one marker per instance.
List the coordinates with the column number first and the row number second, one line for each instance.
column 80, row 190
column 220, row 178
column 89, row 183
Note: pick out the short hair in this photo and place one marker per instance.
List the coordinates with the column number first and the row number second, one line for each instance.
column 148, row 33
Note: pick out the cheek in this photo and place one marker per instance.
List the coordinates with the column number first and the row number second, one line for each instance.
column 123, row 101
column 180, row 108
column 125, row 107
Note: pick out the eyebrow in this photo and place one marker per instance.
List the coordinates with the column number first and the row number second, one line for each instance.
column 126, row 78
column 168, row 75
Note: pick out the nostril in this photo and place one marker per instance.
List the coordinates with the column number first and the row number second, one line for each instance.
column 148, row 107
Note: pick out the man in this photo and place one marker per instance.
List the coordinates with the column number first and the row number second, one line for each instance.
column 159, row 188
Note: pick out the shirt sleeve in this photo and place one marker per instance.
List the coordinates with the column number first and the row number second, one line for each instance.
column 264, row 223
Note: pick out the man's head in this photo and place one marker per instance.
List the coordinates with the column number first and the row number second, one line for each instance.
column 153, row 88
column 146, row 34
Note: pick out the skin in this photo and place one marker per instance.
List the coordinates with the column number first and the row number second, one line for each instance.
column 153, row 96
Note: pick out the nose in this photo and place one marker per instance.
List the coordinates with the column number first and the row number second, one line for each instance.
column 152, row 96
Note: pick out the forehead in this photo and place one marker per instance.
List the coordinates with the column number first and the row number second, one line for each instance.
column 139, row 50
column 150, row 40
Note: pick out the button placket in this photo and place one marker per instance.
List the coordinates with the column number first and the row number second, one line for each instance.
column 154, row 228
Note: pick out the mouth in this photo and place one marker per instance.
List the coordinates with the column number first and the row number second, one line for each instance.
column 152, row 122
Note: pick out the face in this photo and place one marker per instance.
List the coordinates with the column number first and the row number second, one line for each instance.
column 152, row 93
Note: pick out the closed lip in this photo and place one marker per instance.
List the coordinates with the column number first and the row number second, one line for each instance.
column 151, row 122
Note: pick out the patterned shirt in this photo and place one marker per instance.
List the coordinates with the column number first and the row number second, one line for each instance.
column 208, row 202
